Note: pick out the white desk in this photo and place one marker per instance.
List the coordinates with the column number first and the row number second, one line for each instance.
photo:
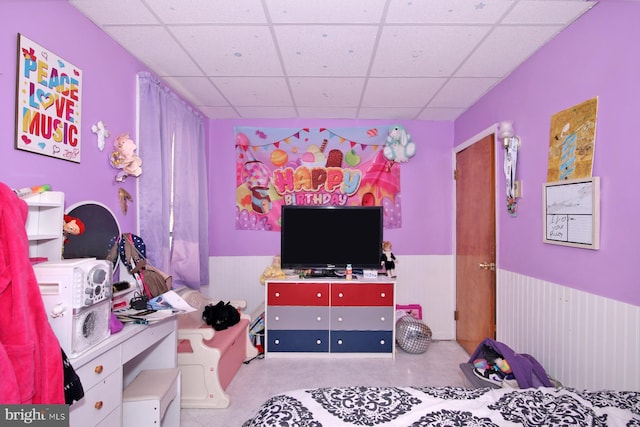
column 106, row 369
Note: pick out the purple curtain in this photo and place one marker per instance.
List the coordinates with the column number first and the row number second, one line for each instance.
column 172, row 139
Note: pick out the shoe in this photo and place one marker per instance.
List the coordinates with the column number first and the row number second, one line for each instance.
column 488, row 375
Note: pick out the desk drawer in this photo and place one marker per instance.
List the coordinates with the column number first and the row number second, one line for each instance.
column 149, row 335
column 98, row 402
column 99, row 368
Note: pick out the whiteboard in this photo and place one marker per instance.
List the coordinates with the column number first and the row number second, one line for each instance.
column 571, row 213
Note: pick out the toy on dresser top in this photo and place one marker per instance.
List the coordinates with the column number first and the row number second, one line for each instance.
column 388, row 259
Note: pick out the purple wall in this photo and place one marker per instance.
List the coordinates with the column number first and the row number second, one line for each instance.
column 426, row 187
column 108, row 94
column 596, row 56
column 591, row 58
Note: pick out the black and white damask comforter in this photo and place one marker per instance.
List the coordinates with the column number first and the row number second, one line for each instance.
column 448, row 406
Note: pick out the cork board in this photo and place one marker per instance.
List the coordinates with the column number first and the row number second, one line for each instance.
column 571, row 142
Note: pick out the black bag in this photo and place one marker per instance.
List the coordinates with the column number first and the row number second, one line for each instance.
column 221, row 316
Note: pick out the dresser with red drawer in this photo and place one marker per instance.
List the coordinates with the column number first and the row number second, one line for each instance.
column 332, row 316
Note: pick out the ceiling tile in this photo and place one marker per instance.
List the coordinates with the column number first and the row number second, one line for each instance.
column 208, row 11
column 155, row 47
column 321, row 50
column 230, row 51
column 325, row 11
column 328, row 112
column 254, row 91
column 504, row 49
column 336, row 92
column 555, row 12
column 447, row 12
column 425, row 51
column 121, row 12
column 461, row 92
column 202, row 91
column 400, row 92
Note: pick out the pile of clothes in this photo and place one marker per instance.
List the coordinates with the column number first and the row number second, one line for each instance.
column 492, row 367
column 496, row 363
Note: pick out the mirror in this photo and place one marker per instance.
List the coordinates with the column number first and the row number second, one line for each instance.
column 101, row 228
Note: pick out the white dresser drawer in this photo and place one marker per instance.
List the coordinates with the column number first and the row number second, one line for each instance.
column 99, row 368
column 98, row 402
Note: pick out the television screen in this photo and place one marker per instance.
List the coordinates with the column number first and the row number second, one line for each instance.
column 330, row 237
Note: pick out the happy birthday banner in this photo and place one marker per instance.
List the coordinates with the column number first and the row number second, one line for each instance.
column 48, row 103
column 312, row 167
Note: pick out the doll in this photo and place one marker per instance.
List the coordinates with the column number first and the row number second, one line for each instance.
column 124, row 157
column 71, row 225
column 274, row 271
column 387, row 260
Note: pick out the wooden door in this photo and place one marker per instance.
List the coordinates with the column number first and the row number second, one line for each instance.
column 475, row 243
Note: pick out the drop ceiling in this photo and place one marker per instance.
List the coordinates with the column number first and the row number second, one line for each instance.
column 352, row 59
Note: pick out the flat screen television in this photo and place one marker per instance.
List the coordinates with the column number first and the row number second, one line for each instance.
column 330, row 237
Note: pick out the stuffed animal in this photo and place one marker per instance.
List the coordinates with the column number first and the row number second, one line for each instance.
column 124, row 157
column 101, row 131
column 399, row 147
column 387, row 260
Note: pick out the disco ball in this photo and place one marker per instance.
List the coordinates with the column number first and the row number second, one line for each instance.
column 412, row 335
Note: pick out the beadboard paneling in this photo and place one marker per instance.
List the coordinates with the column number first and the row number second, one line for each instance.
column 425, row 280
column 583, row 340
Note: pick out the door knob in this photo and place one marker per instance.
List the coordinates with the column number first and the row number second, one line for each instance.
column 488, row 266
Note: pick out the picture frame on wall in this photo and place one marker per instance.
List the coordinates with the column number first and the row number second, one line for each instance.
column 48, row 103
column 571, row 213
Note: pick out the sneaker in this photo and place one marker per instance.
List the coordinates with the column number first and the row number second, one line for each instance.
column 488, row 375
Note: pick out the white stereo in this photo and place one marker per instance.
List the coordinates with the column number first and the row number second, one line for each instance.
column 77, row 299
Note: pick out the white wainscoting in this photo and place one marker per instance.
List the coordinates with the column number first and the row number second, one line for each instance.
column 584, row 340
column 422, row 279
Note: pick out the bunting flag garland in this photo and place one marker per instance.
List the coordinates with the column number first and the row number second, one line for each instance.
column 285, row 166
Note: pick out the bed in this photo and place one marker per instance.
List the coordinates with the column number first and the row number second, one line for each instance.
column 447, row 406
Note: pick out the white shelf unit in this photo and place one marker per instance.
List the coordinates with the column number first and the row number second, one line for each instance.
column 44, row 224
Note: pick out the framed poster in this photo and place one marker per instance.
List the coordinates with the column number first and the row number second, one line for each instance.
column 48, row 101
column 571, row 214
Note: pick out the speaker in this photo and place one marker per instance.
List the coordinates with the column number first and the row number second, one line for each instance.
column 77, row 297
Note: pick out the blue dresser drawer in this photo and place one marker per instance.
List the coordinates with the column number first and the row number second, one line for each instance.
column 361, row 341
column 297, row 341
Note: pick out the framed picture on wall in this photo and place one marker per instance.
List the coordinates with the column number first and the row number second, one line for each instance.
column 48, row 103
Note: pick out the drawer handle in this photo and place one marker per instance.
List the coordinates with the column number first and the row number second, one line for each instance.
column 383, row 295
column 318, row 342
column 277, row 317
column 381, row 342
column 277, row 294
column 318, row 318
column 340, row 295
column 98, row 404
column 382, row 319
column 276, row 342
column 98, row 369
column 319, row 295
column 339, row 319
column 340, row 342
